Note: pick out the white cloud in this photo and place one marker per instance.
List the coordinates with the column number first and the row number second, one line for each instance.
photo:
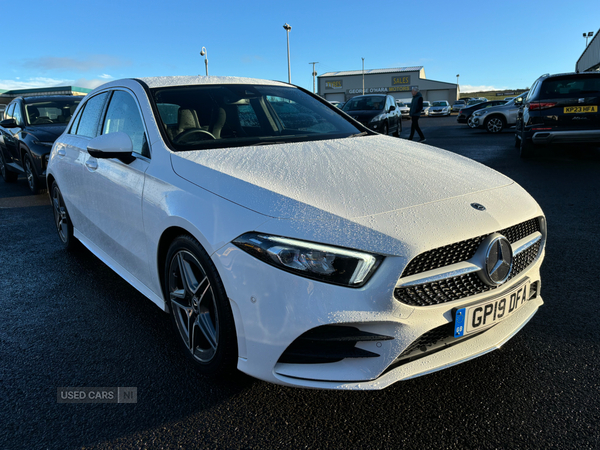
column 32, row 83
column 91, row 62
column 40, row 82
column 105, row 76
column 89, row 84
column 469, row 88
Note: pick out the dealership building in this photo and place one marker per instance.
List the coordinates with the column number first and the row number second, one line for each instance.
column 398, row 82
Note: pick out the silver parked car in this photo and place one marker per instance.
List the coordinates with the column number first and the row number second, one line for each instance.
column 458, row 105
column 440, row 108
column 496, row 118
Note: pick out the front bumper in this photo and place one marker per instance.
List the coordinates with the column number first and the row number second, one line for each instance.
column 273, row 309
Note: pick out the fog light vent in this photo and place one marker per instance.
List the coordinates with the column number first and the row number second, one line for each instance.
column 329, row 343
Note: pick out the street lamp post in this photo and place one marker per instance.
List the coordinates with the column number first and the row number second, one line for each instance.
column 205, row 54
column 457, row 86
column 288, row 28
column 587, row 36
column 363, row 73
column 314, row 74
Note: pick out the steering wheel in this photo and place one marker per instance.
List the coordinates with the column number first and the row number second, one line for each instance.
column 181, row 137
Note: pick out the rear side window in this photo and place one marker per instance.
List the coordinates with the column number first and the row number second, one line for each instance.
column 89, row 122
column 566, row 87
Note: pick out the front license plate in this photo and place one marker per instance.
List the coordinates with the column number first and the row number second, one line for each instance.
column 580, row 109
column 472, row 319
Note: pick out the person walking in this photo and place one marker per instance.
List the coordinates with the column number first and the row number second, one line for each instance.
column 416, row 107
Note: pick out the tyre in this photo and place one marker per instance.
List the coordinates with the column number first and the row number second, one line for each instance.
column 517, row 141
column 64, row 227
column 494, row 124
column 199, row 307
column 471, row 122
column 9, row 177
column 384, row 129
column 526, row 148
column 398, row 128
column 35, row 185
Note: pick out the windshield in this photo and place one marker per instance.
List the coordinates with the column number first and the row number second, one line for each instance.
column 426, row 104
column 365, row 103
column 51, row 111
column 236, row 115
column 439, row 104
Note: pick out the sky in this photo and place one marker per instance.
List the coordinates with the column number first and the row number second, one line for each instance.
column 490, row 44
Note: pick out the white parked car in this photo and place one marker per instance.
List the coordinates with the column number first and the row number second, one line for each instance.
column 404, row 109
column 291, row 242
column 426, row 106
column 440, row 108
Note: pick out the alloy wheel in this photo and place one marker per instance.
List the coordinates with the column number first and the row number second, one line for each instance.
column 60, row 215
column 495, row 125
column 29, row 174
column 194, row 306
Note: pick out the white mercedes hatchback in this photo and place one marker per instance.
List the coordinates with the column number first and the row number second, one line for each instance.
column 291, row 242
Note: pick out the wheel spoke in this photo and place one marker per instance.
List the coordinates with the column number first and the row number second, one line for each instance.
column 187, row 274
column 204, row 328
column 184, row 315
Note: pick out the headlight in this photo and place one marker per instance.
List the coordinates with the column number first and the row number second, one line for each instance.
column 320, row 262
column 378, row 118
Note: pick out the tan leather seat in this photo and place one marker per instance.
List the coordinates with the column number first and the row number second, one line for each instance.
column 187, row 119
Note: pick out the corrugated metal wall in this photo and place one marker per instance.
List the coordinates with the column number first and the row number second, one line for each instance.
column 590, row 59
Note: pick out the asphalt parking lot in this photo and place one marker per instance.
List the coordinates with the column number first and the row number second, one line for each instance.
column 68, row 320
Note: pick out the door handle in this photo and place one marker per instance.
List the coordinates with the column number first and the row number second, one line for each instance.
column 91, row 164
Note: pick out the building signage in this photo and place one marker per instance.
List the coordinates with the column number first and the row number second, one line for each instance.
column 400, row 88
column 335, row 84
column 403, row 80
column 377, row 90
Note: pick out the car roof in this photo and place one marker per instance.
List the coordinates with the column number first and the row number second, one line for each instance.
column 157, row 82
column 584, row 74
column 41, row 98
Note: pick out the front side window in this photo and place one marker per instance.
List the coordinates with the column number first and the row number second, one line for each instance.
column 123, row 115
column 89, row 123
column 236, row 115
column 9, row 111
column 17, row 114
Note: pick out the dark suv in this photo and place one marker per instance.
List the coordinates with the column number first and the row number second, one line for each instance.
column 377, row 112
column 27, row 132
column 560, row 109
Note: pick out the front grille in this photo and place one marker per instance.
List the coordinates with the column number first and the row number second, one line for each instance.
column 456, row 288
column 464, row 250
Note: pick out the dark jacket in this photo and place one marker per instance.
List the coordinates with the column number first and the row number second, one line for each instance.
column 416, row 106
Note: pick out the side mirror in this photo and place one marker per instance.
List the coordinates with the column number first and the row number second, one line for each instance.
column 9, row 123
column 519, row 101
column 392, row 108
column 113, row 145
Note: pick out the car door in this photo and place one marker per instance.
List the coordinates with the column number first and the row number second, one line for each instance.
column 69, row 155
column 11, row 139
column 390, row 108
column 113, row 190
